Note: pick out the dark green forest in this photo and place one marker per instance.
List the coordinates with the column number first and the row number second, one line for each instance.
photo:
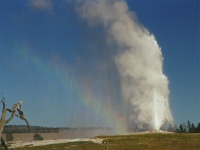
column 188, row 127
column 32, row 129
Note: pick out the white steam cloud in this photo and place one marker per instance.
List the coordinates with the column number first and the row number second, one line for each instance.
column 41, row 4
column 139, row 62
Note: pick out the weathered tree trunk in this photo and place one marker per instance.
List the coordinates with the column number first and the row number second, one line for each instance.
column 3, row 118
column 16, row 108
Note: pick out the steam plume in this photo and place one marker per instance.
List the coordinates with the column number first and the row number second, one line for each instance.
column 139, row 61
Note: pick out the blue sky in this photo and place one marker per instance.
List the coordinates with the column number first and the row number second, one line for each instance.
column 58, row 64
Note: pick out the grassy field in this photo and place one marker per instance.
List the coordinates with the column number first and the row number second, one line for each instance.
column 154, row 141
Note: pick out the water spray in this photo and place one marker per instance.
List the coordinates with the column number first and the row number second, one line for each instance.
column 139, row 62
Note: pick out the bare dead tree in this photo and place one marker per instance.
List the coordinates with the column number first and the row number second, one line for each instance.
column 15, row 111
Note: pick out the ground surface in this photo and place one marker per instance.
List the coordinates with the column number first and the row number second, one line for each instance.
column 64, row 134
column 154, row 141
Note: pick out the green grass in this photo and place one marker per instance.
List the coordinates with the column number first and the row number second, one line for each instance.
column 67, row 146
column 154, row 141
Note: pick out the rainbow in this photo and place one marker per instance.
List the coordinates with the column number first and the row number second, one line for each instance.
column 84, row 95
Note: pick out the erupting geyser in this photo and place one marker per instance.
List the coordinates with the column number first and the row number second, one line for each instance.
column 139, row 62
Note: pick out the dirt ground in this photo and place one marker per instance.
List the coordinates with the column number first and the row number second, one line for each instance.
column 48, row 142
column 66, row 134
column 71, row 135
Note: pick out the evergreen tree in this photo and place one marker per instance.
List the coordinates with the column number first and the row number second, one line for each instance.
column 180, row 129
column 193, row 128
column 198, row 128
column 9, row 136
column 188, row 126
column 184, row 127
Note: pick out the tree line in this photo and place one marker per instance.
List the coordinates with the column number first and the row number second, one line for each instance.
column 32, row 129
column 189, row 127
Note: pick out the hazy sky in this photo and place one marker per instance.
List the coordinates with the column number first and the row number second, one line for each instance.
column 64, row 69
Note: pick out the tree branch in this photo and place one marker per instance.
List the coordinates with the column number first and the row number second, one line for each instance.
column 13, row 111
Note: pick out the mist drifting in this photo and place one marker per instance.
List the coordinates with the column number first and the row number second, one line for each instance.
column 139, row 62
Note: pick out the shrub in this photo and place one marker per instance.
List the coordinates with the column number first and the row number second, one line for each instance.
column 37, row 137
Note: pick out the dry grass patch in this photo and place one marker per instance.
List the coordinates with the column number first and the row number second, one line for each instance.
column 154, row 141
